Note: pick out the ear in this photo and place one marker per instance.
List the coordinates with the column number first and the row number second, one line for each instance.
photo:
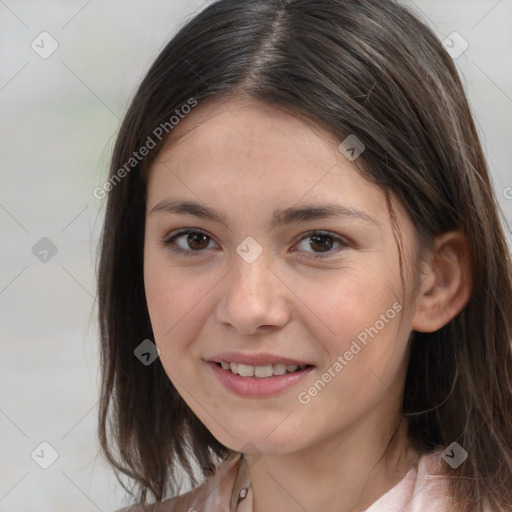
column 447, row 283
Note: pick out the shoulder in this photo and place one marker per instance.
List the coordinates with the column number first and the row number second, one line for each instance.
column 432, row 474
column 432, row 487
column 423, row 488
column 213, row 494
column 432, row 490
column 433, row 484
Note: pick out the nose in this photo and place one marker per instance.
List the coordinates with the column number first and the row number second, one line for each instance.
column 253, row 298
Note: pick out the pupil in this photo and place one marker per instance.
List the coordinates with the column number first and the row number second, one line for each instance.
column 325, row 246
column 194, row 238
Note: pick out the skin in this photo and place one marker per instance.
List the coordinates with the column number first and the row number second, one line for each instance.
column 247, row 160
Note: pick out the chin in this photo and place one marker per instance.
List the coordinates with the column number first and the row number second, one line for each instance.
column 259, row 441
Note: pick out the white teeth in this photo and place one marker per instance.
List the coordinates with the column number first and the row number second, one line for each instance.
column 245, row 370
column 264, row 371
column 279, row 369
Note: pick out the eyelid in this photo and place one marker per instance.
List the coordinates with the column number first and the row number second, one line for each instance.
column 344, row 242
column 184, row 231
column 169, row 239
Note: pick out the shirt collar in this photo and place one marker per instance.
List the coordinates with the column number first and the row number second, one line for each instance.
column 241, row 497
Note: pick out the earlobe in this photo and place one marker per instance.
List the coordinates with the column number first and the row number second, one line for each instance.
column 446, row 285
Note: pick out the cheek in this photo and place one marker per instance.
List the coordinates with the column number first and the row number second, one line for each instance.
column 178, row 305
column 347, row 301
column 170, row 304
column 356, row 318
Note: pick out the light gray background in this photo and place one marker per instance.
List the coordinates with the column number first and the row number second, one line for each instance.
column 59, row 117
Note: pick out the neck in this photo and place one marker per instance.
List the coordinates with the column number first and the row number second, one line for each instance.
column 345, row 473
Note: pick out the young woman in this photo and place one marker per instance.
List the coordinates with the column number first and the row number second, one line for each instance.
column 305, row 292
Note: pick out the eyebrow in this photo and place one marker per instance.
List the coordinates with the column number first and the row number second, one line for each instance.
column 279, row 218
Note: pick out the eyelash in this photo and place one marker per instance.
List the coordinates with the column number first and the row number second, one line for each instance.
column 169, row 242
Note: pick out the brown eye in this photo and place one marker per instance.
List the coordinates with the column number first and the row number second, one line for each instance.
column 321, row 243
column 197, row 241
column 188, row 242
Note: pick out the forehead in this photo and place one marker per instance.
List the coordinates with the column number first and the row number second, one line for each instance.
column 260, row 153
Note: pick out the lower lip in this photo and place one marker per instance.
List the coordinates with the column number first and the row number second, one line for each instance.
column 255, row 386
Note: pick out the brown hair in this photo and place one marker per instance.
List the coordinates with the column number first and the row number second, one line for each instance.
column 362, row 67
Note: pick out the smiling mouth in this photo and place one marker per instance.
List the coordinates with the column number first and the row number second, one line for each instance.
column 263, row 371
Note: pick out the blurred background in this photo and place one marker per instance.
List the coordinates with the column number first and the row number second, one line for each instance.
column 67, row 72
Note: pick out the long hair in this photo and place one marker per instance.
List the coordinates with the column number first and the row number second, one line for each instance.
column 364, row 67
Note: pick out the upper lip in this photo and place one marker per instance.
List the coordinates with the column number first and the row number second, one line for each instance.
column 259, row 359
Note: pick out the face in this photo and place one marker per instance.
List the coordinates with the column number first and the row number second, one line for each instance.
column 272, row 280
